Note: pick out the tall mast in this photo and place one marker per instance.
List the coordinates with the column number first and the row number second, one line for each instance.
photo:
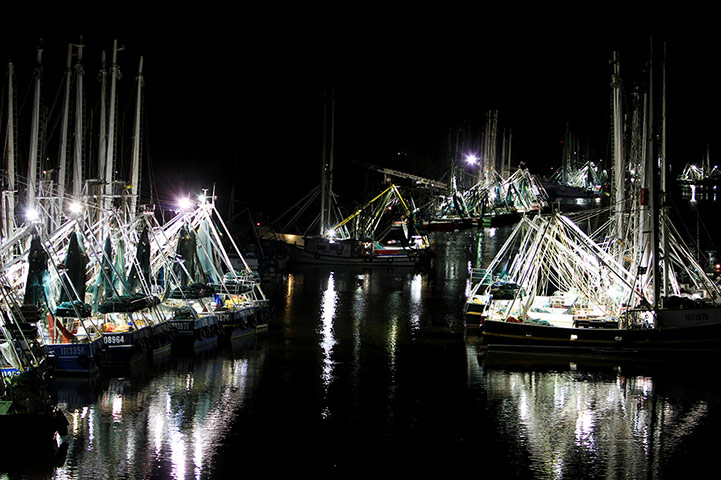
column 9, row 195
column 79, row 122
column 103, row 134
column 326, row 179
column 656, row 159
column 135, row 163
column 662, row 165
column 34, row 136
column 619, row 160
column 331, row 158
column 62, row 161
column 110, row 157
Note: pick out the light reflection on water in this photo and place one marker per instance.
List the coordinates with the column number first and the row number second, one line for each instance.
column 166, row 425
column 596, row 418
column 369, row 372
column 327, row 341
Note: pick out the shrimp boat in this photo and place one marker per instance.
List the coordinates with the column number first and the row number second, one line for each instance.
column 366, row 237
column 64, row 328
column 576, row 177
column 28, row 414
column 363, row 239
column 209, row 300
column 634, row 288
column 70, row 335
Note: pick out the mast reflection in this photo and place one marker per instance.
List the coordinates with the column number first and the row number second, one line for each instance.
column 327, row 336
column 169, row 424
column 565, row 415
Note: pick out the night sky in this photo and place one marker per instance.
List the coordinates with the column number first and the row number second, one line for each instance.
column 239, row 95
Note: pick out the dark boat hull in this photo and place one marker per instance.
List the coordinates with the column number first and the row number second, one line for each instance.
column 412, row 259
column 195, row 334
column 693, row 339
column 447, row 225
column 78, row 358
column 144, row 344
column 499, row 219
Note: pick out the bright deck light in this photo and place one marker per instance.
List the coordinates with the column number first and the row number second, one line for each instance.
column 472, row 159
column 32, row 215
column 75, row 207
column 185, row 203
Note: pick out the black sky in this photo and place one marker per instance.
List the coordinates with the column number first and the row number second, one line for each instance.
column 238, row 95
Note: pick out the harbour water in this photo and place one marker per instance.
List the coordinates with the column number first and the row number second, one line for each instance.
column 370, row 372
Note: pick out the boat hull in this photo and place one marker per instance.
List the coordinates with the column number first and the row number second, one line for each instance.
column 401, row 259
column 691, row 339
column 125, row 348
column 499, row 219
column 78, row 358
column 448, row 225
column 194, row 334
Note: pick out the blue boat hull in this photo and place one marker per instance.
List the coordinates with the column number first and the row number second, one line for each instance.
column 78, row 358
column 194, row 334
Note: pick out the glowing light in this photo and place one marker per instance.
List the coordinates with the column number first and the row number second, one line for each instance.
column 471, row 159
column 32, row 215
column 75, row 207
column 185, row 203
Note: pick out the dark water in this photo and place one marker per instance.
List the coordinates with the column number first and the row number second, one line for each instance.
column 370, row 373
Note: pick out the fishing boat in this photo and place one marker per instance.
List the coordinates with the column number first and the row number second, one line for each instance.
column 382, row 232
column 552, row 286
column 134, row 327
column 28, row 414
column 577, row 177
column 363, row 239
column 210, row 300
column 700, row 180
column 71, row 335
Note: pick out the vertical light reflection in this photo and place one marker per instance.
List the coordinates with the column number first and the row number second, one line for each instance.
column 91, row 426
column 171, row 426
column 567, row 418
column 327, row 340
column 360, row 296
column 177, row 453
column 157, row 413
column 469, row 282
column 392, row 343
column 199, row 441
column 117, row 408
column 289, row 291
column 394, row 306
column 416, row 305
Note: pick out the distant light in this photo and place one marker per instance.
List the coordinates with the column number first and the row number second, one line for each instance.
column 185, row 203
column 32, row 215
column 331, row 233
column 472, row 159
column 75, row 207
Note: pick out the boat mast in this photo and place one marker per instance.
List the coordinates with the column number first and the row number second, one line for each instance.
column 9, row 195
column 103, row 133
column 326, row 178
column 79, row 122
column 135, row 163
column 657, row 158
column 619, row 160
column 62, row 161
column 110, row 156
column 34, row 136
